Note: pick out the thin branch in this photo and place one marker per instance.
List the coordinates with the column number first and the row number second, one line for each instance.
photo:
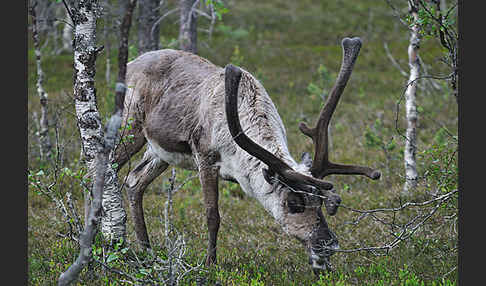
column 406, row 232
column 404, row 206
column 202, row 13
column 122, row 273
column 396, row 13
column 68, row 10
column 154, row 26
column 393, row 61
column 449, row 272
column 405, row 90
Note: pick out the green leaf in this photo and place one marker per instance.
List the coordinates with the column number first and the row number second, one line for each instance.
column 112, row 257
column 145, row 271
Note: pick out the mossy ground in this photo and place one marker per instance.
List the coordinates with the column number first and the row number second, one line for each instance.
column 283, row 43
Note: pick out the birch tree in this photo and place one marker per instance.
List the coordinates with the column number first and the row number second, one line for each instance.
column 96, row 152
column 426, row 19
column 410, row 150
column 45, row 143
column 83, row 15
column 113, row 223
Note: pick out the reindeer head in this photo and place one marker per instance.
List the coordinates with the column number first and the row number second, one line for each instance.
column 301, row 190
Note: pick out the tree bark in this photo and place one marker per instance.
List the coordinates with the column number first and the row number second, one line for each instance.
column 113, row 223
column 91, row 225
column 94, row 212
column 89, row 123
column 85, row 54
column 411, row 175
column 45, row 142
column 85, row 38
column 148, row 15
column 188, row 26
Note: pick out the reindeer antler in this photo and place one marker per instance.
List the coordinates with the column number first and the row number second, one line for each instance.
column 321, row 166
column 287, row 174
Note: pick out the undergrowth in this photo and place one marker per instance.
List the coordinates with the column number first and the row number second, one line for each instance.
column 293, row 48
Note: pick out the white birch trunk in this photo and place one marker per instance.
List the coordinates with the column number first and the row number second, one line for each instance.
column 113, row 222
column 411, row 106
column 44, row 140
column 88, row 118
column 90, row 127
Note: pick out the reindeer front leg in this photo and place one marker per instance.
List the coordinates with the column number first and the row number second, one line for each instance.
column 209, row 181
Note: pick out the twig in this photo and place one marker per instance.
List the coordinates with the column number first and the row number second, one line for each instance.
column 403, row 93
column 122, row 273
column 68, row 11
column 403, row 235
column 393, row 61
column 403, row 206
column 449, row 272
column 74, row 215
column 154, row 26
column 396, row 13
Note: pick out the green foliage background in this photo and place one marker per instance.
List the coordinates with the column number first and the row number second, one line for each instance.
column 293, row 47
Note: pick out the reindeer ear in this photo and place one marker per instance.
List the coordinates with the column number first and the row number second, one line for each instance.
column 306, row 159
column 269, row 175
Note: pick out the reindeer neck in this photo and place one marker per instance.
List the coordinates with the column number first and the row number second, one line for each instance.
column 261, row 122
column 249, row 174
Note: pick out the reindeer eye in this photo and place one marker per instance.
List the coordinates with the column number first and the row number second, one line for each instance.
column 295, row 202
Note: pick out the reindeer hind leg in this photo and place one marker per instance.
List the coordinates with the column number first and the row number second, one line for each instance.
column 149, row 168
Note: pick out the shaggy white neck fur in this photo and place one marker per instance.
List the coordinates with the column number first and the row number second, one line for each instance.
column 254, row 184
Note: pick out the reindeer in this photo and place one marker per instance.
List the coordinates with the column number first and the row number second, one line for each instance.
column 223, row 124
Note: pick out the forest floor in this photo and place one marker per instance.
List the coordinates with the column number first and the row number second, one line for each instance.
column 293, row 47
